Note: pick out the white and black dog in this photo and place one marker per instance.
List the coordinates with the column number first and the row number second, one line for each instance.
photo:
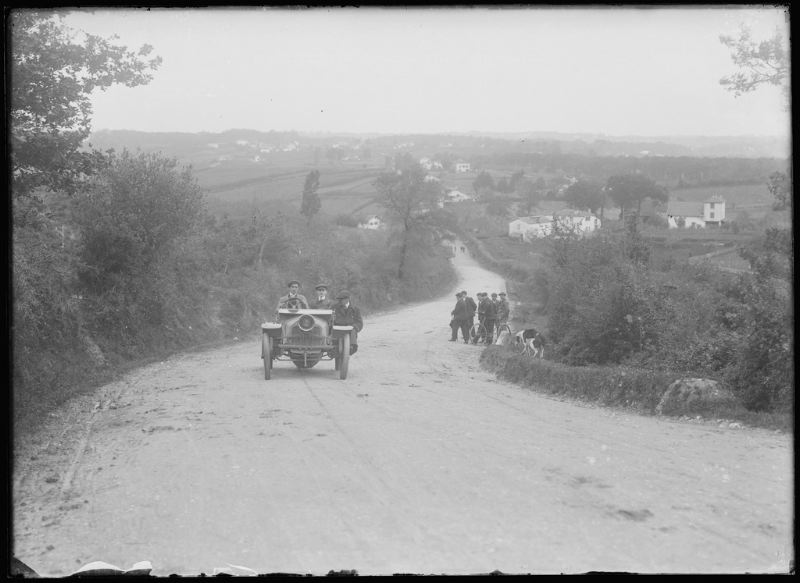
column 530, row 341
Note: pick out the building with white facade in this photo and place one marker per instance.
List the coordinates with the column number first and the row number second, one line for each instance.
column 578, row 222
column 681, row 214
column 374, row 223
column 528, row 228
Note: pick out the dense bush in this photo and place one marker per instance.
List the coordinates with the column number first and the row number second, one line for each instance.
column 606, row 304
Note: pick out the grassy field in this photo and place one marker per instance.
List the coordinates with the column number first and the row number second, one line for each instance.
column 755, row 199
column 239, row 187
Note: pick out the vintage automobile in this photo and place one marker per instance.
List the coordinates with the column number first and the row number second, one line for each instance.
column 305, row 337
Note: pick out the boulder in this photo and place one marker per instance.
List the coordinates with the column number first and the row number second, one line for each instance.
column 690, row 396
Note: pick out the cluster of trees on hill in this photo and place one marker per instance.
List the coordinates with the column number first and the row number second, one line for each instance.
column 115, row 256
column 627, row 192
column 675, row 172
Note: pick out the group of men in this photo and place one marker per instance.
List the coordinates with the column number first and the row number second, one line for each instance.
column 492, row 312
column 344, row 312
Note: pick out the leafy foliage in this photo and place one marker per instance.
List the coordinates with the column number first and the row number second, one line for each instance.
column 762, row 62
column 53, row 77
column 311, row 204
column 779, row 186
column 630, row 190
column 131, row 214
column 411, row 204
column 483, row 184
column 585, row 194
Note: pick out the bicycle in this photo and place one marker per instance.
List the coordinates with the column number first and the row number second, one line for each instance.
column 477, row 332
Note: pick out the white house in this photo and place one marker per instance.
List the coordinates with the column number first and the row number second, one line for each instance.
column 429, row 164
column 681, row 214
column 374, row 222
column 527, row 228
column 462, row 166
column 457, row 196
column 578, row 222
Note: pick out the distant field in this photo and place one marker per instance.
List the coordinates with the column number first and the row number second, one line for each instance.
column 239, row 186
column 754, row 198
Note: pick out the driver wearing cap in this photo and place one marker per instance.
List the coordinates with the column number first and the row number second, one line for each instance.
column 293, row 299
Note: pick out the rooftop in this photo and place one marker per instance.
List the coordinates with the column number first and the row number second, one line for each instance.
column 681, row 208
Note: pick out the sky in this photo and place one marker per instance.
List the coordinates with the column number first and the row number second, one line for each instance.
column 603, row 70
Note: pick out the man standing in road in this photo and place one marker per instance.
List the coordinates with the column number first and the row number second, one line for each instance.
column 503, row 311
column 471, row 309
column 495, row 303
column 323, row 302
column 345, row 314
column 486, row 316
column 460, row 318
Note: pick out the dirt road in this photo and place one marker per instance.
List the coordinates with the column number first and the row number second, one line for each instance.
column 419, row 462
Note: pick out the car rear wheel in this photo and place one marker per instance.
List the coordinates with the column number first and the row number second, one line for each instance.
column 344, row 356
column 266, row 354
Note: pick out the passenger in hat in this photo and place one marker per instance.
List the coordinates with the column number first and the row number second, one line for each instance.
column 461, row 316
column 503, row 311
column 472, row 307
column 323, row 302
column 486, row 316
column 495, row 301
column 294, row 299
column 346, row 314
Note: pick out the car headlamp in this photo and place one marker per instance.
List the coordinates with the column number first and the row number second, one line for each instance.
column 306, row 323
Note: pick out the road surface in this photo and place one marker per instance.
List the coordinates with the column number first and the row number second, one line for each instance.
column 419, row 462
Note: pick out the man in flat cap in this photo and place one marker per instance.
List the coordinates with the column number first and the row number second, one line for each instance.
column 472, row 307
column 503, row 312
column 322, row 302
column 294, row 299
column 346, row 314
column 486, row 316
column 461, row 316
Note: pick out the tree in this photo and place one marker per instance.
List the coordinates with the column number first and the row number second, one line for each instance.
column 483, row 183
column 411, row 203
column 585, row 194
column 504, row 186
column 515, row 180
column 530, row 194
column 130, row 215
column 779, row 186
column 53, row 75
column 311, row 203
column 764, row 62
column 498, row 207
column 630, row 190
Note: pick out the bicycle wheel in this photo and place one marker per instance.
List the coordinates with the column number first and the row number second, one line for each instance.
column 477, row 333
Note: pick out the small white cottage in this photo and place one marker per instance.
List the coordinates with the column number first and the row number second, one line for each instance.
column 681, row 214
column 374, row 222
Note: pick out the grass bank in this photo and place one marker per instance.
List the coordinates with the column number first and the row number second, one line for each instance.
column 636, row 390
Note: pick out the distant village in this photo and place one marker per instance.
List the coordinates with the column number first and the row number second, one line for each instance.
column 677, row 214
